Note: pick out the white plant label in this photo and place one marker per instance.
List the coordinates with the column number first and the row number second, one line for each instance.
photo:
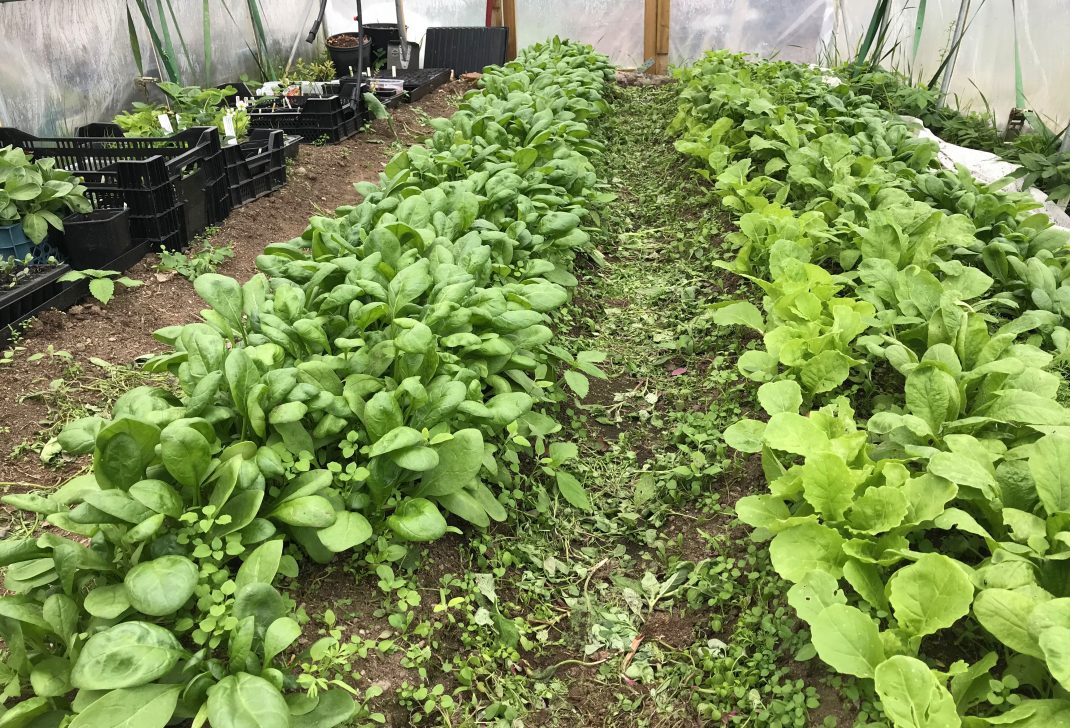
column 165, row 123
column 228, row 126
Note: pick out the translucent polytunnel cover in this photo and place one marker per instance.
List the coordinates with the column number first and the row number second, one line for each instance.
column 61, row 71
column 613, row 27
column 984, row 71
column 65, row 66
column 791, row 30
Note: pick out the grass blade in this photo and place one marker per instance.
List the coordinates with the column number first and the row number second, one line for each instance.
column 254, row 54
column 135, row 46
column 261, row 38
column 954, row 47
column 165, row 35
column 919, row 23
column 166, row 60
column 207, row 29
column 1019, row 86
column 880, row 10
column 178, row 32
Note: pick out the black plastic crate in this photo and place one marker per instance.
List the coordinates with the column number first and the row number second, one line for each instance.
column 214, row 204
column 143, row 174
column 310, row 117
column 256, row 167
column 465, row 49
column 333, row 115
column 142, row 185
column 192, row 196
column 419, row 82
column 291, row 147
column 166, row 228
column 94, row 239
column 30, row 297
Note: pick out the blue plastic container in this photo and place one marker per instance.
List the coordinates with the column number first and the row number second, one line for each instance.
column 14, row 243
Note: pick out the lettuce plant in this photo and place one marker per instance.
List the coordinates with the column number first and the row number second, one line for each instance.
column 940, row 303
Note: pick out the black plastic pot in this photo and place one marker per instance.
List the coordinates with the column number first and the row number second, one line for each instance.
column 347, row 61
column 96, row 238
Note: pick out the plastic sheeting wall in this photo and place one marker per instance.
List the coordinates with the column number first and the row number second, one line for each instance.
column 613, row 27
column 792, row 30
column 986, row 56
column 68, row 62
column 65, row 66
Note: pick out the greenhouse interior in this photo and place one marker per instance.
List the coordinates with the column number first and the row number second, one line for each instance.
column 655, row 363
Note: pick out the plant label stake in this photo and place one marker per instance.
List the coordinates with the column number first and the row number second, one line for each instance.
column 165, row 123
column 228, row 128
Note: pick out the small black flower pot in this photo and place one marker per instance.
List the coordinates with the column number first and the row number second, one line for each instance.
column 347, row 58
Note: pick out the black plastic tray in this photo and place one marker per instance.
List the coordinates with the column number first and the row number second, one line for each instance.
column 419, row 82
column 30, row 298
column 256, row 167
column 465, row 49
column 45, row 293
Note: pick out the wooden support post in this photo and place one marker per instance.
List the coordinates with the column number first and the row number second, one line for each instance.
column 509, row 21
column 661, row 61
column 656, row 35
column 503, row 13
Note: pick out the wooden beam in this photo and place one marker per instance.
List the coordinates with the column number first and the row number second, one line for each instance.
column 509, row 21
column 650, row 31
column 503, row 14
column 656, row 35
column 661, row 59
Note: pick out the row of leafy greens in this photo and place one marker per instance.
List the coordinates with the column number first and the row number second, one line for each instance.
column 376, row 377
column 936, row 517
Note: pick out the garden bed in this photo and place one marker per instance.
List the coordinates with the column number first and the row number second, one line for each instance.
column 568, row 579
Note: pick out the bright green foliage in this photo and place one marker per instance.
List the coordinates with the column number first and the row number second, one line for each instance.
column 36, row 194
column 101, row 282
column 377, row 377
column 938, row 304
column 188, row 106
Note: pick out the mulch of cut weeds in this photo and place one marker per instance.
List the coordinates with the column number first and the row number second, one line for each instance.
column 321, row 180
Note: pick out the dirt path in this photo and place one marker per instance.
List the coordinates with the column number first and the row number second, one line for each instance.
column 653, row 608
